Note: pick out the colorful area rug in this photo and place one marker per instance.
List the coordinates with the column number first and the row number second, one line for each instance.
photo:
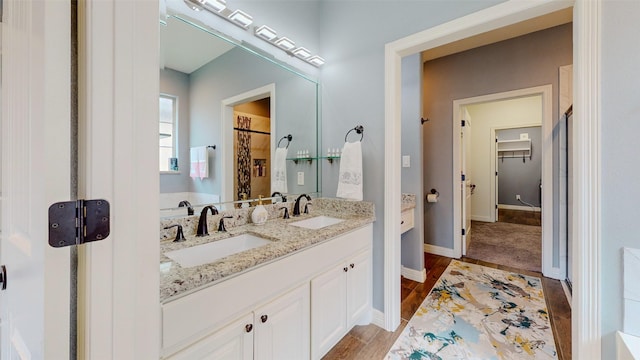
column 475, row 312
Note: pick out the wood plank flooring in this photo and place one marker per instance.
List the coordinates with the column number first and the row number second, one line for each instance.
column 371, row 342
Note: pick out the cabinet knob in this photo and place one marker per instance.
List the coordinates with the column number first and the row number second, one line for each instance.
column 248, row 327
column 402, row 222
column 264, row 318
column 345, row 269
column 352, row 265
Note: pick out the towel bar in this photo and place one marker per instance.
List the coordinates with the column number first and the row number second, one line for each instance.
column 288, row 137
column 358, row 129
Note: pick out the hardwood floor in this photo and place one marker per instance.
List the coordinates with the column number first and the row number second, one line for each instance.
column 371, row 342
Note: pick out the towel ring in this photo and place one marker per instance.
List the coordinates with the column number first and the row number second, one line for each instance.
column 358, row 129
column 288, row 137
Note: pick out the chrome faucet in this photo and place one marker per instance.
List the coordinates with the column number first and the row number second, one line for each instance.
column 296, row 206
column 184, row 203
column 202, row 223
column 221, row 226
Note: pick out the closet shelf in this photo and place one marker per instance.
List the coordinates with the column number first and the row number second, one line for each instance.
column 514, row 148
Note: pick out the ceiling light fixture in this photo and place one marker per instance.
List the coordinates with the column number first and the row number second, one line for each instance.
column 266, row 33
column 215, row 5
column 285, row 43
column 244, row 20
column 316, row 61
column 241, row 18
column 301, row 53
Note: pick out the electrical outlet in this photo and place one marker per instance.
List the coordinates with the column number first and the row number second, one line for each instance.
column 300, row 178
column 517, row 197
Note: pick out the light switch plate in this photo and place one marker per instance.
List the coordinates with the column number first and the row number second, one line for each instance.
column 300, row 177
column 406, row 161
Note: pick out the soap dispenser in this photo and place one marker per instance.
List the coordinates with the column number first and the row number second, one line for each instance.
column 259, row 214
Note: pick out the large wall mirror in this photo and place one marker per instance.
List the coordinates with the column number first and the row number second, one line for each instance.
column 218, row 93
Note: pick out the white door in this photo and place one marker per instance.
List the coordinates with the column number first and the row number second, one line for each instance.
column 359, row 290
column 466, row 186
column 282, row 327
column 232, row 342
column 328, row 310
column 34, row 308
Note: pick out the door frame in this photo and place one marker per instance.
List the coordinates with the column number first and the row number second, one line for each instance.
column 118, row 297
column 546, row 92
column 586, row 303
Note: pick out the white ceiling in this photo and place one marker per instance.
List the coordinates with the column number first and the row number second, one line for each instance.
column 185, row 48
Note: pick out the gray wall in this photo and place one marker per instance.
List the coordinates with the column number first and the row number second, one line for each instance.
column 619, row 128
column 353, row 35
column 517, row 177
column 237, row 72
column 523, row 62
column 177, row 84
column 412, row 249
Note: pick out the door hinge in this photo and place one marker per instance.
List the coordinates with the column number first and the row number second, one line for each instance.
column 463, row 177
column 496, row 173
column 463, row 122
column 463, row 232
column 496, row 206
column 3, row 277
column 78, row 222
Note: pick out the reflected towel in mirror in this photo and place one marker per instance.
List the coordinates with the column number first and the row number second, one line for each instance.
column 350, row 176
column 199, row 162
column 279, row 178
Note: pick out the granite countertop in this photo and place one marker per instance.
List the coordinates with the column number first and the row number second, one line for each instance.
column 286, row 240
column 408, row 201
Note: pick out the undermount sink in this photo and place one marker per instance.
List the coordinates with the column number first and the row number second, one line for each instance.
column 210, row 252
column 317, row 222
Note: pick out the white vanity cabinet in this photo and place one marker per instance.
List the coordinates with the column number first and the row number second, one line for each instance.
column 282, row 327
column 274, row 331
column 406, row 220
column 340, row 299
column 273, row 302
column 232, row 342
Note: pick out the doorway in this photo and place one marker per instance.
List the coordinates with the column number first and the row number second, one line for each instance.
column 247, row 106
column 486, row 123
column 252, row 149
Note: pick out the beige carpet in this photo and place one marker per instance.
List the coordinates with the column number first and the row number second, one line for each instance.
column 514, row 245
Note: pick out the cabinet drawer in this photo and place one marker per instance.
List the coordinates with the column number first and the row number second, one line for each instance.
column 407, row 220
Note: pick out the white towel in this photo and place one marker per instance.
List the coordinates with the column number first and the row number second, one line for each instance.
column 199, row 162
column 279, row 178
column 350, row 176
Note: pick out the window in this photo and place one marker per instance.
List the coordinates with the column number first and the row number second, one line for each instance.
column 168, row 133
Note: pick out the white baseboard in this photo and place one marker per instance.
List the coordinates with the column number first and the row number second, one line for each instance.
column 554, row 273
column 415, row 275
column 481, row 218
column 518, row 207
column 377, row 318
column 439, row 250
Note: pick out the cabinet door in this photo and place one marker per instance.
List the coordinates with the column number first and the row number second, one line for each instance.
column 232, row 342
column 328, row 310
column 359, row 291
column 282, row 327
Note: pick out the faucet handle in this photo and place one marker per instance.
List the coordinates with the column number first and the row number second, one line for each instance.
column 221, row 226
column 179, row 233
column 306, row 207
column 286, row 212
